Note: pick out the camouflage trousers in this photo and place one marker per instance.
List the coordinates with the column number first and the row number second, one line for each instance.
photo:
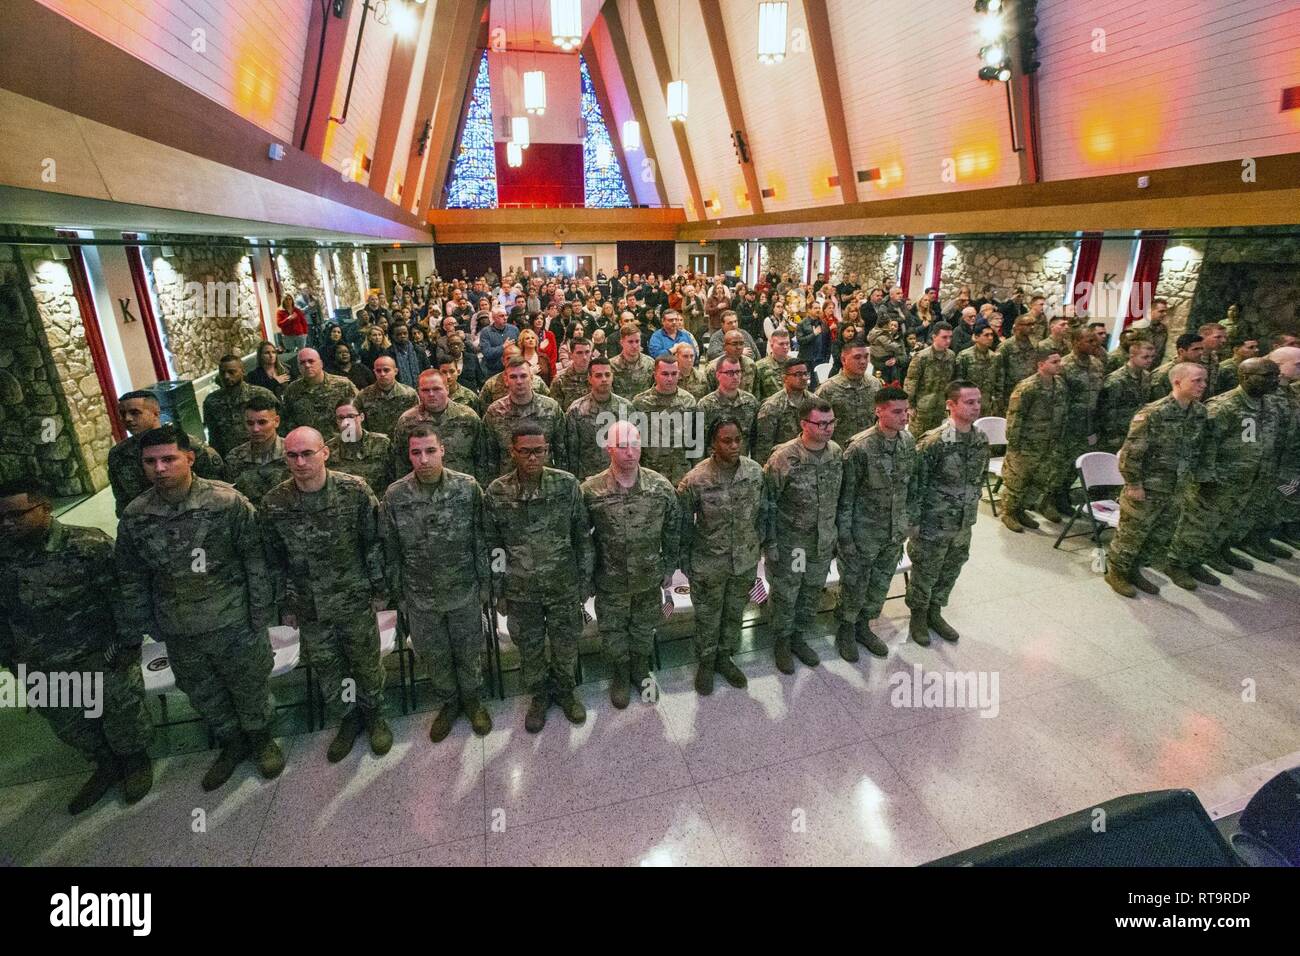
column 719, row 607
column 627, row 623
column 122, row 728
column 1064, row 471
column 451, row 645
column 924, row 419
column 1026, row 479
column 1257, row 515
column 795, row 595
column 531, row 626
column 226, row 674
column 865, row 578
column 1145, row 530
column 1210, row 513
column 936, row 562
column 344, row 652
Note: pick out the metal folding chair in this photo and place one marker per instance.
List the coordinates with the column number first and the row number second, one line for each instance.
column 995, row 430
column 1096, row 469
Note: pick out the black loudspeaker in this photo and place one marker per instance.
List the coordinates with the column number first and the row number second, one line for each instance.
column 1160, row 828
column 1272, row 818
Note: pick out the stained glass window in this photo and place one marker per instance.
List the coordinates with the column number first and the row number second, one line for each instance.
column 474, row 178
column 602, row 176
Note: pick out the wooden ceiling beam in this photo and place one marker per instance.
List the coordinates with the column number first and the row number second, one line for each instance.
column 659, row 53
column 716, row 30
column 828, row 79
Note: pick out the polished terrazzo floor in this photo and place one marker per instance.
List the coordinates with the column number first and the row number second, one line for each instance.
column 1098, row 697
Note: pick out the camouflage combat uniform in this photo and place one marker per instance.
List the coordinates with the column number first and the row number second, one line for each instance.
column 1019, row 360
column 1164, row 454
column 505, row 415
column 585, row 425
column 873, row 518
column 544, row 534
column 1035, row 424
column 743, row 409
column 777, row 423
column 802, row 490
column 223, row 414
column 326, row 560
column 370, row 459
column 314, row 405
column 469, row 398
column 439, row 525
column 696, row 383
column 1082, row 377
column 723, row 517
column 1125, row 391
column 1240, row 465
column 495, row 389
column 126, row 471
column 459, row 430
column 632, row 379
column 949, row 474
column 194, row 574
column 854, row 401
column 748, row 374
column 635, row 534
column 569, row 386
column 56, row 616
column 670, row 423
column 928, row 376
column 1160, row 384
column 982, row 367
column 253, row 474
column 383, row 409
column 768, row 379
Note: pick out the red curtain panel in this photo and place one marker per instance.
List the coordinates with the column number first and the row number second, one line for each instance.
column 1151, row 254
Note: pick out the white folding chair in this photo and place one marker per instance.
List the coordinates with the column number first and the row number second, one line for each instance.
column 995, row 430
column 823, row 372
column 389, row 644
column 1097, row 469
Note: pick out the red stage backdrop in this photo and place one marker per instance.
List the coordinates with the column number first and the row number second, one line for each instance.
column 551, row 175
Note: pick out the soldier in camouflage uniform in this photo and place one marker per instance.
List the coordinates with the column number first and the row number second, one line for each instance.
column 571, row 384
column 928, row 375
column 729, row 401
column 633, row 370
column 310, row 401
column 692, row 380
column 779, row 417
column 1162, row 458
column 588, row 419
column 496, row 387
column 951, row 461
column 874, row 517
column 671, row 421
column 433, row 518
column 356, row 450
column 801, row 483
column 1035, row 424
column 635, row 533
column 460, row 394
column 384, row 402
column 192, row 573
column 521, row 404
column 1018, row 357
column 1189, row 348
column 258, row 465
column 140, row 412
column 1226, row 380
column 1059, row 336
column 1285, row 521
column 1241, row 437
column 223, row 408
column 769, row 371
column 721, row 503
column 1214, row 338
column 326, row 559
column 1125, row 390
column 1082, row 373
column 459, row 429
column 57, row 588
column 1252, row 528
column 536, row 519
column 733, row 344
column 980, row 364
column 852, row 392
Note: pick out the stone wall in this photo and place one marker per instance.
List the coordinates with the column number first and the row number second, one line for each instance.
column 208, row 303
column 53, row 421
column 784, row 257
column 351, row 281
column 298, row 272
column 1035, row 264
column 1260, row 274
column 1180, row 271
column 871, row 259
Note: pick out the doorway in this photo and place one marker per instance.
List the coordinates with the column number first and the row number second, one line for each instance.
column 702, row 264
column 394, row 269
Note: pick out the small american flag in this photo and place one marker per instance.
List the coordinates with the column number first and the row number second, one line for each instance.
column 586, row 616
column 668, row 605
column 758, row 593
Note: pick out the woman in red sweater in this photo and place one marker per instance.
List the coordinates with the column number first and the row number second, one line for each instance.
column 292, row 323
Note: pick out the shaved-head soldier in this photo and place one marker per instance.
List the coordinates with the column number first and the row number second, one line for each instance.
column 310, row 400
column 384, row 402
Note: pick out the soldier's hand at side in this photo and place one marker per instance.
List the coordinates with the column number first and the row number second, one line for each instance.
column 1136, row 492
column 378, row 603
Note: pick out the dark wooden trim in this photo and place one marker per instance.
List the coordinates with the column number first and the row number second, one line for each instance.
column 152, row 333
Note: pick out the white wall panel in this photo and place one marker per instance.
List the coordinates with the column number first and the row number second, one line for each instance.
column 653, row 99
